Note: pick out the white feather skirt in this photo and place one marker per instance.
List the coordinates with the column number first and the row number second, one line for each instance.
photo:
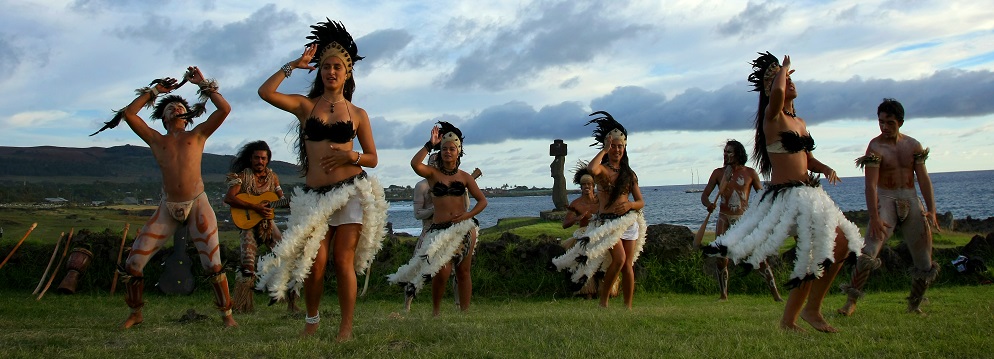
column 437, row 249
column 603, row 236
column 805, row 211
column 291, row 260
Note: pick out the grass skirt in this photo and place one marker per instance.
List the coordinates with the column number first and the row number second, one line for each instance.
column 592, row 252
column 437, row 249
column 805, row 211
column 291, row 260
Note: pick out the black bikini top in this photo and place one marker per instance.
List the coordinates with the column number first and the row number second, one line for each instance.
column 455, row 189
column 792, row 142
column 338, row 132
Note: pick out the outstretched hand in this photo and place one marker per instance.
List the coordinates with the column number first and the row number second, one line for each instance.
column 304, row 61
column 194, row 75
column 164, row 85
column 435, row 137
column 833, row 178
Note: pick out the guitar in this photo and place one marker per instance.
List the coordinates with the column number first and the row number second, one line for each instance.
column 245, row 218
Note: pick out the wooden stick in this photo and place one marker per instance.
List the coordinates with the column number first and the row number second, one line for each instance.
column 113, row 283
column 50, row 261
column 57, row 265
column 33, row 225
column 699, row 236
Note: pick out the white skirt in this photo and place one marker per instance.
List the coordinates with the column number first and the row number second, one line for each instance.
column 437, row 249
column 291, row 260
column 587, row 257
column 803, row 211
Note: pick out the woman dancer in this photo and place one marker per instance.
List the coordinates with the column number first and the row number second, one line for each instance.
column 451, row 239
column 793, row 203
column 580, row 212
column 341, row 209
column 614, row 242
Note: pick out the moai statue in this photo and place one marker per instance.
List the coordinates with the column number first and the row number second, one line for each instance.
column 558, row 150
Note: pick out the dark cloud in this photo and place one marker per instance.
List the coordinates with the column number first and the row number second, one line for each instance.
column 756, row 18
column 551, row 35
column 947, row 93
column 10, row 58
column 382, row 45
column 236, row 43
column 156, row 29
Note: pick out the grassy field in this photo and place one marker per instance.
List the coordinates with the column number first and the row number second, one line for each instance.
column 958, row 325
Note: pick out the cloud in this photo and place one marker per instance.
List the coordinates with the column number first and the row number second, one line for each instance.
column 947, row 93
column 153, row 29
column 236, row 43
column 551, row 36
column 754, row 19
column 10, row 58
column 33, row 119
column 382, row 45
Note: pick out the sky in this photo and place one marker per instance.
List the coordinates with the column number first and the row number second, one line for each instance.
column 514, row 76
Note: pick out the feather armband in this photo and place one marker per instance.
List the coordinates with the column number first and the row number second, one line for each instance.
column 920, row 157
column 870, row 160
column 207, row 87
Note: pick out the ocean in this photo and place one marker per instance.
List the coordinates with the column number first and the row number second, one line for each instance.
column 962, row 193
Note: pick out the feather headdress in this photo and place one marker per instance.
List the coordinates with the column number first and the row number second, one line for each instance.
column 449, row 133
column 606, row 126
column 332, row 39
column 207, row 87
column 764, row 69
column 581, row 171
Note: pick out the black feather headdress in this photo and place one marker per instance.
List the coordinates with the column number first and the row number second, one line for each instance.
column 332, row 38
column 605, row 124
column 579, row 171
column 763, row 72
column 444, row 130
column 207, row 87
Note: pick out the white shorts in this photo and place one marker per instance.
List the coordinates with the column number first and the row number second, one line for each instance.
column 350, row 213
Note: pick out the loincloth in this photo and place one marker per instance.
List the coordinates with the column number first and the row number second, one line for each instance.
column 180, row 211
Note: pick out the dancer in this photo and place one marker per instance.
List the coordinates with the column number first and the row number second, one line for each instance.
column 341, row 209
column 425, row 210
column 184, row 202
column 734, row 180
column 580, row 212
column 451, row 239
column 250, row 179
column 793, row 203
column 893, row 162
column 613, row 243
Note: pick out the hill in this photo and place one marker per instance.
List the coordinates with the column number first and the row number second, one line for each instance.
column 119, row 164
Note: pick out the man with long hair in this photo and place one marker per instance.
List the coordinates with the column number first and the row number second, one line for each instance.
column 734, row 180
column 250, row 178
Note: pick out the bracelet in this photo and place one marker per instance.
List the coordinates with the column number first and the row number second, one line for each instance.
column 428, row 146
column 287, row 70
column 154, row 90
column 358, row 156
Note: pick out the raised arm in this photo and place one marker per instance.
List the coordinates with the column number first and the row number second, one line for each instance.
column 594, row 166
column 778, row 91
column 209, row 88
column 136, row 123
column 294, row 104
column 417, row 164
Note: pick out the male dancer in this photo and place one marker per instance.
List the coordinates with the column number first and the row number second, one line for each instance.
column 892, row 162
column 184, row 202
column 251, row 175
column 734, row 181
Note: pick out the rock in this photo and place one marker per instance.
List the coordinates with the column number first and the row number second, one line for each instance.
column 667, row 241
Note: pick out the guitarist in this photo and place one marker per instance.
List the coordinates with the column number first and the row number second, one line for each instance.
column 734, row 180
column 250, row 174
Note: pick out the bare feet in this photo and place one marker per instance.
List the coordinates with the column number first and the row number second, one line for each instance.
column 818, row 322
column 309, row 329
column 791, row 327
column 229, row 321
column 344, row 336
column 134, row 319
column 848, row 309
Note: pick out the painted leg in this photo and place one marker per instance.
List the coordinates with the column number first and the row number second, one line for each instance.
column 854, row 289
column 134, row 288
column 919, row 284
column 222, row 298
column 721, row 276
column 771, row 281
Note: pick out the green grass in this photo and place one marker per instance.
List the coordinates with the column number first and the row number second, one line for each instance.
column 660, row 325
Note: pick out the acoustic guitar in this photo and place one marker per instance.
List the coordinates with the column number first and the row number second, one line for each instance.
column 245, row 218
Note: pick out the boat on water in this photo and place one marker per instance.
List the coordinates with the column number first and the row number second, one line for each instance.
column 694, row 187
